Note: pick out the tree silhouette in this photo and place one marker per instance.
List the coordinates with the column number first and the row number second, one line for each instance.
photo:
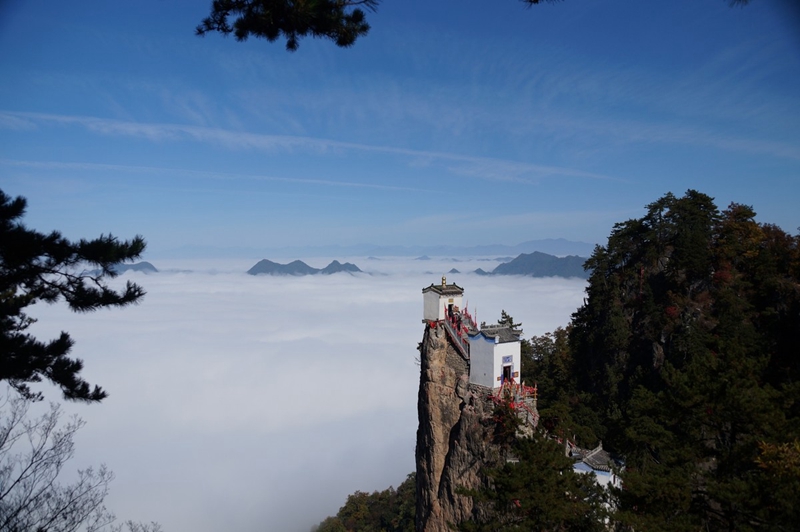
column 686, row 348
column 33, row 453
column 37, row 267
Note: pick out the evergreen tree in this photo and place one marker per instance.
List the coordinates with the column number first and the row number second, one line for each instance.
column 687, row 348
column 342, row 21
column 390, row 510
column 539, row 491
column 508, row 321
column 37, row 267
column 564, row 410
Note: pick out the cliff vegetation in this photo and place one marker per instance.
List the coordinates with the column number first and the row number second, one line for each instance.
column 684, row 360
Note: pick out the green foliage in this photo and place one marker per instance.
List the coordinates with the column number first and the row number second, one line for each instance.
column 687, row 349
column 508, row 321
column 539, row 492
column 38, row 267
column 684, row 360
column 548, row 361
column 385, row 511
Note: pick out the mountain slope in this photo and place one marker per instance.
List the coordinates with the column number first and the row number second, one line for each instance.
column 298, row 267
column 539, row 264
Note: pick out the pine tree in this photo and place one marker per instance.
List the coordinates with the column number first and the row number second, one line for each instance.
column 563, row 408
column 540, row 491
column 342, row 21
column 508, row 321
column 687, row 347
column 37, row 267
column 390, row 510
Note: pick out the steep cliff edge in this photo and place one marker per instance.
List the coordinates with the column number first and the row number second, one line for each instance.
column 453, row 438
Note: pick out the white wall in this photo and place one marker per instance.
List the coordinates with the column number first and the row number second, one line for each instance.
column 481, row 360
column 511, row 349
column 486, row 360
column 604, row 478
column 434, row 305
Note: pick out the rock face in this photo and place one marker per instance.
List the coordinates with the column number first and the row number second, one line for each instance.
column 454, row 434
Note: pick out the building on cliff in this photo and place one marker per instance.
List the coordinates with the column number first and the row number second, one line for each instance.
column 464, row 371
column 492, row 352
column 598, row 462
column 439, row 300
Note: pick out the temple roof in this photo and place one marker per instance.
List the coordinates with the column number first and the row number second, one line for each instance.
column 503, row 334
column 598, row 458
column 444, row 290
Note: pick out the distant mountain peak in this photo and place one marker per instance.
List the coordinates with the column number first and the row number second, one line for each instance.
column 143, row 267
column 538, row 264
column 298, row 267
column 335, row 267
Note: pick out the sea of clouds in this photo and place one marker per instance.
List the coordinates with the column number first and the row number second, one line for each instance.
column 253, row 403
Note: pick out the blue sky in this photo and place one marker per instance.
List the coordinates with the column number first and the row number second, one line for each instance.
column 457, row 123
column 461, row 123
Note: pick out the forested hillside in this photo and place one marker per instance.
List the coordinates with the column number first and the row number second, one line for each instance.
column 390, row 510
column 685, row 361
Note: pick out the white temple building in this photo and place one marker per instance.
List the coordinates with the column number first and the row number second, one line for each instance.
column 494, row 356
column 439, row 299
column 493, row 351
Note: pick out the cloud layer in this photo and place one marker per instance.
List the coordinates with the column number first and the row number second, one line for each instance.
column 258, row 403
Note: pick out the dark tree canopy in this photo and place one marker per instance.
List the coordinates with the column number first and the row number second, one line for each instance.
column 539, row 491
column 37, row 267
column 390, row 510
column 342, row 21
column 684, row 360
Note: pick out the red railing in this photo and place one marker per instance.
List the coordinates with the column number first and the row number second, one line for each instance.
column 457, row 326
column 517, row 396
column 460, row 343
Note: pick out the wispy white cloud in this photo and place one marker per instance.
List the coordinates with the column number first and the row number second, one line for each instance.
column 180, row 172
column 498, row 170
column 491, row 168
column 15, row 122
column 626, row 132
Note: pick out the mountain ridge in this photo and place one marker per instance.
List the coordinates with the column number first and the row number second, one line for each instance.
column 538, row 264
column 298, row 268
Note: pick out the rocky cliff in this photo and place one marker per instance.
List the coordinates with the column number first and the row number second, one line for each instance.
column 454, row 434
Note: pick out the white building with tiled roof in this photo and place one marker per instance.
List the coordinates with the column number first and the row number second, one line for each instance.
column 438, row 299
column 595, row 461
column 493, row 352
column 495, row 356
